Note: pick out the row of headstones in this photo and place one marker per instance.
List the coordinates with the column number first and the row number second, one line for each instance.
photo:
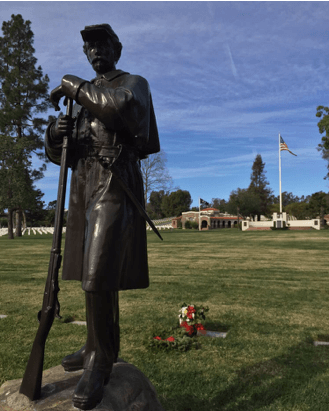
column 163, row 221
column 33, row 230
column 161, row 227
column 50, row 230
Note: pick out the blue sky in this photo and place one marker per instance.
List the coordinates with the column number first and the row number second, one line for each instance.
column 226, row 78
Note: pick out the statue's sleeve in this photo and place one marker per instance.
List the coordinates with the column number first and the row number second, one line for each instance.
column 53, row 150
column 125, row 106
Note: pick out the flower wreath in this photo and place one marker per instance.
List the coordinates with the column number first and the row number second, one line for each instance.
column 192, row 318
column 182, row 338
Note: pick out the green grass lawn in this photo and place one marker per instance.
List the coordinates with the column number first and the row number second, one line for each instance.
column 270, row 290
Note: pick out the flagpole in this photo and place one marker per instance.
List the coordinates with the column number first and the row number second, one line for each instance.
column 199, row 214
column 280, row 177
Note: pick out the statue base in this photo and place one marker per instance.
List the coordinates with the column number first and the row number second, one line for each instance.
column 128, row 389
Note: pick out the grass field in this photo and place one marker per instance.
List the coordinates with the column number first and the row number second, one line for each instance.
column 270, row 290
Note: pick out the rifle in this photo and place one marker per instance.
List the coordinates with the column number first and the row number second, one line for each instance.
column 31, row 383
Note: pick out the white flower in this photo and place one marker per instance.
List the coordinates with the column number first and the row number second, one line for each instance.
column 183, row 310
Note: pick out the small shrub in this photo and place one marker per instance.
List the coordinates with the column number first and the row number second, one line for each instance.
column 194, row 225
column 188, row 224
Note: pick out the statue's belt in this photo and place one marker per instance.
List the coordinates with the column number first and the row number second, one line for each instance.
column 124, row 153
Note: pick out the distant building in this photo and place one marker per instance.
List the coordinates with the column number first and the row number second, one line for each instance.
column 281, row 221
column 211, row 219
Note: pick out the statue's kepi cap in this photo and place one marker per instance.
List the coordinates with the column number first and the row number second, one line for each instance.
column 98, row 32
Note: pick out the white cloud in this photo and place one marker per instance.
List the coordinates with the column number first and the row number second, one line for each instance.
column 226, row 77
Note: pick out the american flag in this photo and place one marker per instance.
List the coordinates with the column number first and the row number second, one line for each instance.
column 204, row 203
column 283, row 146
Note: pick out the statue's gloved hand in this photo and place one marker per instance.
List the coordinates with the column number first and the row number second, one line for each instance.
column 63, row 127
column 55, row 97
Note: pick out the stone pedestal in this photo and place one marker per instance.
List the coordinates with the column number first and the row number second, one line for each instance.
column 128, row 390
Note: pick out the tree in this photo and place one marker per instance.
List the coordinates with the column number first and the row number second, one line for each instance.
column 323, row 125
column 36, row 213
column 50, row 213
column 23, row 94
column 155, row 174
column 318, row 205
column 299, row 210
column 274, row 208
column 219, row 203
column 287, row 198
column 244, row 202
column 258, row 185
column 16, row 186
column 176, row 203
column 154, row 207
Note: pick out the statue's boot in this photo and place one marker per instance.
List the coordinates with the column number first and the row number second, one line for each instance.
column 74, row 362
column 90, row 389
column 101, row 348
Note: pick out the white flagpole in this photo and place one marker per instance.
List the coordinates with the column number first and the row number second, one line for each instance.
column 199, row 214
column 280, row 176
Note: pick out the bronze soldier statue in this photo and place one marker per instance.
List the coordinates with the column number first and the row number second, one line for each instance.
column 113, row 124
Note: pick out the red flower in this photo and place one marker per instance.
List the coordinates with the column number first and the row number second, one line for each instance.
column 188, row 328
column 199, row 327
column 190, row 311
column 185, row 325
column 170, row 339
column 157, row 338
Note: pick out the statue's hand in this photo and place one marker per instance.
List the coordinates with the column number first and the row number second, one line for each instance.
column 55, row 97
column 63, row 127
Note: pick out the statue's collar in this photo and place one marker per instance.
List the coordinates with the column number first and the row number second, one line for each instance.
column 111, row 75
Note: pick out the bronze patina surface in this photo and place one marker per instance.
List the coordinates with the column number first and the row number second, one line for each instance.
column 112, row 128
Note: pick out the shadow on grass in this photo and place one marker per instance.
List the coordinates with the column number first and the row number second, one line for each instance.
column 281, row 382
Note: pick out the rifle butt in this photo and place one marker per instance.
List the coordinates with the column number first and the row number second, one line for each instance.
column 32, row 379
column 31, row 383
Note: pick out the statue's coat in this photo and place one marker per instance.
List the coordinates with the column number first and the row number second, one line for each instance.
column 105, row 244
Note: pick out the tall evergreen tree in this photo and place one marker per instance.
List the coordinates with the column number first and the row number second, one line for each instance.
column 23, row 95
column 323, row 113
column 258, row 185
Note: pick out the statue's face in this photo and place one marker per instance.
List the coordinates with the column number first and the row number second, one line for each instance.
column 100, row 55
